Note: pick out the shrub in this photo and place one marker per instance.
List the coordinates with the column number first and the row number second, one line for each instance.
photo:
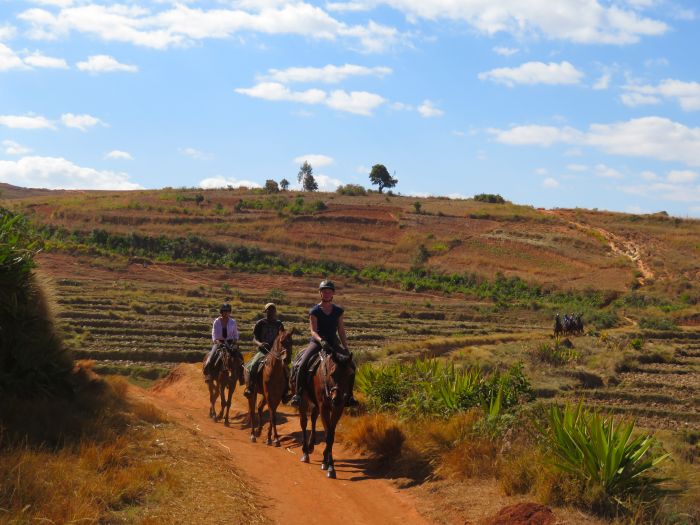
column 657, row 323
column 352, row 190
column 600, row 451
column 378, row 434
column 554, row 354
column 490, row 198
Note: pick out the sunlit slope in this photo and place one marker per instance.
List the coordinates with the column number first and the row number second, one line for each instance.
column 574, row 249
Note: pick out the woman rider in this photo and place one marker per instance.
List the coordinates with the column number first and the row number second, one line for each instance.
column 223, row 329
column 327, row 326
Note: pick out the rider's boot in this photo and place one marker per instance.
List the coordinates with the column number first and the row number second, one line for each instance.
column 250, row 384
column 287, row 395
column 350, row 401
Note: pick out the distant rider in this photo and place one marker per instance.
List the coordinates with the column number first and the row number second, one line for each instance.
column 223, row 329
column 264, row 335
column 327, row 325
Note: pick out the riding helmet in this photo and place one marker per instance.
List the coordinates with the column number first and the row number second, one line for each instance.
column 326, row 284
column 225, row 308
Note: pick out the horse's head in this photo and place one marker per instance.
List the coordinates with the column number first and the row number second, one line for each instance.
column 339, row 374
column 283, row 343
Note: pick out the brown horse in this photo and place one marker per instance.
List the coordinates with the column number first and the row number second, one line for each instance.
column 226, row 375
column 272, row 383
column 330, row 386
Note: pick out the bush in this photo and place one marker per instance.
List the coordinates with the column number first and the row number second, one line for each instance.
column 657, row 323
column 352, row 190
column 377, row 434
column 554, row 354
column 490, row 198
column 599, row 451
column 32, row 358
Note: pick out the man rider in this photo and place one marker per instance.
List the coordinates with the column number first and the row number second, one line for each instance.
column 327, row 325
column 223, row 329
column 264, row 335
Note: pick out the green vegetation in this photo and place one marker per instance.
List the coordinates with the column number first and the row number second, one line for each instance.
column 490, row 198
column 379, row 176
column 351, row 190
column 601, row 452
column 33, row 361
column 430, row 388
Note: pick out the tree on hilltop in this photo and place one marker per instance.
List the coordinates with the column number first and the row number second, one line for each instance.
column 284, row 184
column 271, row 186
column 380, row 176
column 306, row 177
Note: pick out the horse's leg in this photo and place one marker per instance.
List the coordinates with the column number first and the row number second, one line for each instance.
column 314, row 418
column 251, row 414
column 222, row 393
column 212, row 399
column 335, row 414
column 261, row 407
column 231, row 388
column 303, row 420
column 326, row 419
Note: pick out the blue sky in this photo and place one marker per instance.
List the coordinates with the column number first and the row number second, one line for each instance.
column 591, row 103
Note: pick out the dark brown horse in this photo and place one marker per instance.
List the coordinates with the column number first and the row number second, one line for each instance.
column 271, row 382
column 327, row 392
column 225, row 376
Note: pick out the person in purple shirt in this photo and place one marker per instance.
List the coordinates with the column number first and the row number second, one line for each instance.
column 223, row 329
column 327, row 333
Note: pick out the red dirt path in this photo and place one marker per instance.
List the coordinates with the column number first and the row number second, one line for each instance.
column 295, row 492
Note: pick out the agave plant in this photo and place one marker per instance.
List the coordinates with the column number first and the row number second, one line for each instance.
column 601, row 451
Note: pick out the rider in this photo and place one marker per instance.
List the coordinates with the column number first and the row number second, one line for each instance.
column 223, row 329
column 325, row 320
column 264, row 334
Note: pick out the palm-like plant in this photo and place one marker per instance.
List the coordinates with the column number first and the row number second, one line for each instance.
column 601, row 451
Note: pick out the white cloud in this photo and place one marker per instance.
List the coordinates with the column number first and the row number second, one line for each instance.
column 428, row 110
column 326, row 183
column 55, row 3
column 81, row 122
column 223, row 182
column 649, row 175
column 26, row 122
column 681, row 176
column 105, row 64
column 119, row 155
column 194, row 153
column 357, row 102
column 665, row 191
column 316, row 160
column 550, row 183
column 541, row 171
column 603, row 82
column 7, row 32
column 348, row 7
column 36, row 59
column 14, row 148
column 59, row 173
column 329, row 74
column 581, row 21
column 505, row 51
column 652, row 137
column 637, row 99
column 579, row 168
column 534, row 73
column 687, row 94
column 601, row 170
column 180, row 24
column 9, row 59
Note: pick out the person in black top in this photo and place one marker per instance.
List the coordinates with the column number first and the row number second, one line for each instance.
column 264, row 335
column 327, row 333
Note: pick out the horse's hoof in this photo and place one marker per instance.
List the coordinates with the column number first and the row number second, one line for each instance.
column 226, row 423
column 252, row 438
column 277, row 442
column 268, row 442
column 311, row 449
column 305, row 458
column 331, row 474
column 324, row 466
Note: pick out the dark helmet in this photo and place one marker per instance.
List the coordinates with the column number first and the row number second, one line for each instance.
column 225, row 308
column 326, row 284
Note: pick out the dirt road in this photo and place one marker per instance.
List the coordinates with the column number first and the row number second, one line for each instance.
column 296, row 492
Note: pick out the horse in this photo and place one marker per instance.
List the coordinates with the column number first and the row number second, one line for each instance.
column 558, row 329
column 330, row 386
column 272, row 382
column 227, row 373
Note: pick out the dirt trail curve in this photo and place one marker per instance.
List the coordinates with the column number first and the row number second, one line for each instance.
column 295, row 492
column 625, row 247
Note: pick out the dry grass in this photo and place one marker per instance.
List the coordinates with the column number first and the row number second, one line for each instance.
column 377, row 434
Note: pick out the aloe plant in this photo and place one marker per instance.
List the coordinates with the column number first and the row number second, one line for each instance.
column 601, row 451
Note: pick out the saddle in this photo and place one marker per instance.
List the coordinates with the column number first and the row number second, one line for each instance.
column 313, row 365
